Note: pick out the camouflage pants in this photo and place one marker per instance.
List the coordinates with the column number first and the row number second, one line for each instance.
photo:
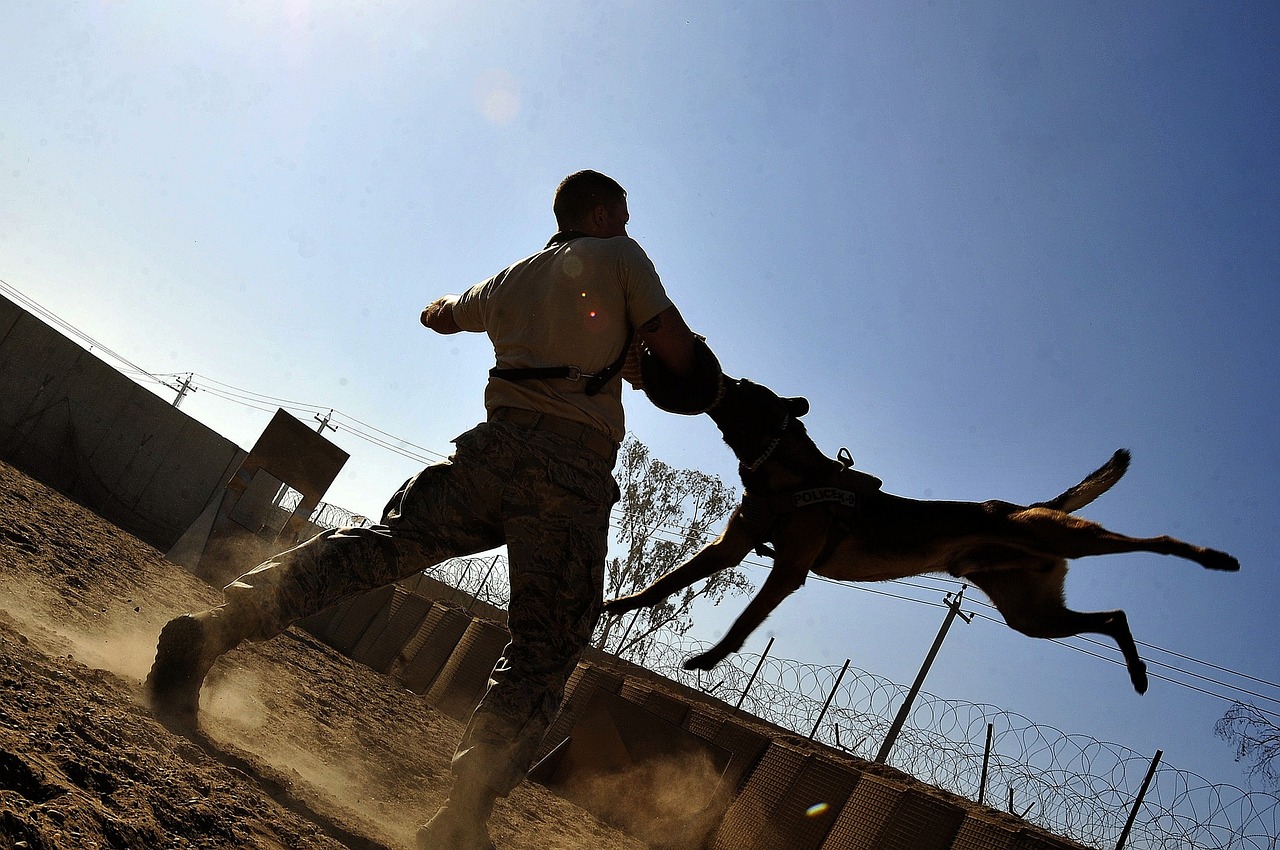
column 547, row 499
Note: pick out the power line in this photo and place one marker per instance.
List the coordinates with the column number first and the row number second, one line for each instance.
column 67, row 327
column 383, row 439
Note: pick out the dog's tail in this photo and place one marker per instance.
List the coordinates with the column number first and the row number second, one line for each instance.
column 1098, row 482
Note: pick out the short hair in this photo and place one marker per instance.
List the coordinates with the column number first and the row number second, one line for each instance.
column 580, row 193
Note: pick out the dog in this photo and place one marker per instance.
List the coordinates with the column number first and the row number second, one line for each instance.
column 812, row 513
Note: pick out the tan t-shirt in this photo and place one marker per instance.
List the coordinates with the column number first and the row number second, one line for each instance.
column 568, row 305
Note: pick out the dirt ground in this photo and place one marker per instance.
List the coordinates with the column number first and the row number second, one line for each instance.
column 299, row 746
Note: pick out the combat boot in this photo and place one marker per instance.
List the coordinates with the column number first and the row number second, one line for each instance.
column 188, row 647
column 462, row 822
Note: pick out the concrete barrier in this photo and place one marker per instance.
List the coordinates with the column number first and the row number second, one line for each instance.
column 77, row 425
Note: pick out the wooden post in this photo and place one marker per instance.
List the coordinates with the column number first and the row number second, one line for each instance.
column 183, row 388
column 1137, row 804
column 953, row 608
column 830, row 696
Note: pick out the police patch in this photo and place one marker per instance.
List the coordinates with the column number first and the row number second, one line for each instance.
column 817, row 495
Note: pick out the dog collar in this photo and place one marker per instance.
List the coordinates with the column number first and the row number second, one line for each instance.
column 752, row 467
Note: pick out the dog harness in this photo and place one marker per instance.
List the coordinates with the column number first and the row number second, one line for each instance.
column 838, row 491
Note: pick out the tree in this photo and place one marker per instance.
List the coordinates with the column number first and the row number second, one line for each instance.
column 1256, row 737
column 664, row 516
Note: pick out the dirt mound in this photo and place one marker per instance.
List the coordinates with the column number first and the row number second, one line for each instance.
column 300, row 747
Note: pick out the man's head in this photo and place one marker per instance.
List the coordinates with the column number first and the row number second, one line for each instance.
column 592, row 203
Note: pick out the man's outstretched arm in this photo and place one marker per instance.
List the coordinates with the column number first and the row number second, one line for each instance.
column 438, row 315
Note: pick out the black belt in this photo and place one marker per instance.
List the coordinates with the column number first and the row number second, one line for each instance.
column 577, row 432
column 593, row 384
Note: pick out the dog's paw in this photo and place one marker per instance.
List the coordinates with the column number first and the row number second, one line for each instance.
column 1214, row 560
column 703, row 661
column 1138, row 675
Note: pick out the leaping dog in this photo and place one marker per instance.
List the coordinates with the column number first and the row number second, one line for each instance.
column 813, row 513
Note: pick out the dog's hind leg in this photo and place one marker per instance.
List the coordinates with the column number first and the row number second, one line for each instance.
column 725, row 551
column 1072, row 537
column 1031, row 601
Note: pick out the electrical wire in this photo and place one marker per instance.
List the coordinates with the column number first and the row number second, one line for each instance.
column 385, row 440
column 382, row 439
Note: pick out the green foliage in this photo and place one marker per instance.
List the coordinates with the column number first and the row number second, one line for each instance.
column 664, row 516
column 1256, row 738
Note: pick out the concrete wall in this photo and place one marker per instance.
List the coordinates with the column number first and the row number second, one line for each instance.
column 76, row 424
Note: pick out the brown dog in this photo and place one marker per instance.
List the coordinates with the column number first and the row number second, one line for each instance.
column 820, row 515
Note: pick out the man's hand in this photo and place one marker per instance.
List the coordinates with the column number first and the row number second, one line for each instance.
column 438, row 315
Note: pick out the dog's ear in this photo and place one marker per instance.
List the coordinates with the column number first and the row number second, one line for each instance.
column 798, row 406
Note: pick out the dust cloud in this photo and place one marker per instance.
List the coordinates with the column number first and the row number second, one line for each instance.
column 648, row 800
column 118, row 636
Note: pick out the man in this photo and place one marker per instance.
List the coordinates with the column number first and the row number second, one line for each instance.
column 536, row 476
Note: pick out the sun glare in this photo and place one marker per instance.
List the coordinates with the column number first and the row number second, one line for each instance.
column 497, row 95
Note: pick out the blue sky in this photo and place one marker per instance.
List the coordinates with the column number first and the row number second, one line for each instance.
column 990, row 242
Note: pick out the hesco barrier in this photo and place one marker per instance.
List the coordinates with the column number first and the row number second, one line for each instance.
column 465, row 675
column 881, row 815
column 978, row 833
column 669, row 708
column 618, row 749
column 423, row 656
column 583, row 682
column 774, row 791
column 343, row 624
column 744, row 744
column 788, row 803
column 391, row 629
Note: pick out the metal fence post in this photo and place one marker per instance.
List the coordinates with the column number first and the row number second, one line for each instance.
column 986, row 760
column 754, row 673
column 484, row 584
column 830, row 696
column 1137, row 804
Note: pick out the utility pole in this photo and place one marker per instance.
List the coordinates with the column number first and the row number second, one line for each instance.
column 184, row 388
column 953, row 608
column 324, row 422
